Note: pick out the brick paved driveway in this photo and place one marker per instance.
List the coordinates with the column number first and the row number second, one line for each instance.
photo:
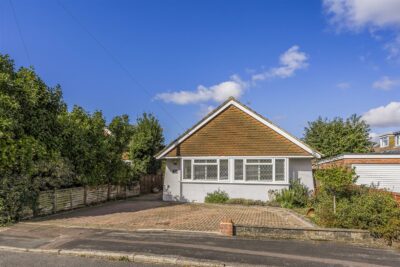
column 147, row 212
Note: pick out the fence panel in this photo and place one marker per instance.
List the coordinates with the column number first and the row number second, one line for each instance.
column 45, row 202
column 77, row 197
column 133, row 190
column 70, row 198
column 148, row 182
column 62, row 199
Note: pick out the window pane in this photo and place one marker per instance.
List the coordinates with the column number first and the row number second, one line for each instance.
column 259, row 161
column 212, row 172
column 211, row 161
column 199, row 161
column 279, row 170
column 252, row 172
column 187, row 169
column 265, row 172
column 238, row 169
column 223, row 169
column 199, row 172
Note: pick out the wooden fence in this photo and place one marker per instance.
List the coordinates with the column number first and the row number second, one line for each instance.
column 148, row 182
column 71, row 198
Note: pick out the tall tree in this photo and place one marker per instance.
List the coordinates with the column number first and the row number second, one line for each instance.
column 121, row 131
column 333, row 137
column 146, row 141
column 29, row 137
column 84, row 143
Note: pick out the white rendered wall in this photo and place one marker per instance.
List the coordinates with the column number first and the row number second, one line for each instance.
column 196, row 192
column 301, row 169
column 189, row 191
column 171, row 190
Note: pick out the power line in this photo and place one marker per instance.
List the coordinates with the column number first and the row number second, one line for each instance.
column 20, row 32
column 116, row 61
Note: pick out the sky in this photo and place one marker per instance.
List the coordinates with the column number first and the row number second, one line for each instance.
column 291, row 61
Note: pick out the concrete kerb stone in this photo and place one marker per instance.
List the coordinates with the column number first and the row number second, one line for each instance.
column 132, row 257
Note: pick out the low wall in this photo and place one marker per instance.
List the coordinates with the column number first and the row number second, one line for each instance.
column 57, row 200
column 328, row 234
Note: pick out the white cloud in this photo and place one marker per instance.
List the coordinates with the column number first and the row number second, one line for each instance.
column 374, row 137
column 218, row 93
column 384, row 116
column 343, row 85
column 373, row 15
column 357, row 14
column 393, row 48
column 290, row 61
column 205, row 110
column 385, row 83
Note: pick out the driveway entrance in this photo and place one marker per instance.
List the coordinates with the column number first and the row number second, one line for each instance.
column 149, row 212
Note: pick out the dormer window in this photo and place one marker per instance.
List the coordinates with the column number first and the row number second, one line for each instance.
column 384, row 141
column 397, row 140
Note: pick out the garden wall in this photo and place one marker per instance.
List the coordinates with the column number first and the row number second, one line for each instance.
column 71, row 198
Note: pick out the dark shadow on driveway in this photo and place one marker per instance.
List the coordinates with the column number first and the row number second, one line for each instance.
column 144, row 202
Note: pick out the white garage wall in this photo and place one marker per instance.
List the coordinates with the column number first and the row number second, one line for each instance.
column 382, row 175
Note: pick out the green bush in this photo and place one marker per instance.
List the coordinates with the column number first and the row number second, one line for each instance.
column 296, row 196
column 217, row 196
column 246, row 202
column 362, row 208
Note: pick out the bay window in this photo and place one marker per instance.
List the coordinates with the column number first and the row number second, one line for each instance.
column 262, row 170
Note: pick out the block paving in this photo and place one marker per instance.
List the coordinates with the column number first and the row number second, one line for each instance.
column 147, row 213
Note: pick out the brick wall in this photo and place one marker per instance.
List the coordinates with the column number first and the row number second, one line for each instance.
column 349, row 162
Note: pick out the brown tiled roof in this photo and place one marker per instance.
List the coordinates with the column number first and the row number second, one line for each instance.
column 233, row 132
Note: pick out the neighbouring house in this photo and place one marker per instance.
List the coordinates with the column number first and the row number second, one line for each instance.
column 236, row 150
column 388, row 142
column 379, row 169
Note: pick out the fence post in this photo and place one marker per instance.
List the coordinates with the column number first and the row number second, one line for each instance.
column 54, row 200
column 70, row 198
column 85, row 195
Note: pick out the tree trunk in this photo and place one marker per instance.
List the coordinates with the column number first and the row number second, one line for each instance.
column 334, row 204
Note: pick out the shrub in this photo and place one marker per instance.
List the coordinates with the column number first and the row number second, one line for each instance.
column 296, row 196
column 217, row 196
column 336, row 179
column 369, row 209
column 246, row 202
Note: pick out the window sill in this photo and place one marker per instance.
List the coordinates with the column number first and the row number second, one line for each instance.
column 235, row 182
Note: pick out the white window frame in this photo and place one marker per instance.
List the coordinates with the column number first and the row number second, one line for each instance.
column 397, row 139
column 231, row 170
column 381, row 141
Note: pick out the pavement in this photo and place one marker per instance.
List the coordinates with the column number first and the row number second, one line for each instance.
column 201, row 247
column 149, row 212
column 24, row 259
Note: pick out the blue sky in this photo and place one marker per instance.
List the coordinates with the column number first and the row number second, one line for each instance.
column 291, row 61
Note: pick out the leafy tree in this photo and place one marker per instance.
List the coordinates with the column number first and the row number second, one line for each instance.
column 117, row 142
column 29, row 136
column 335, row 181
column 44, row 146
column 146, row 141
column 338, row 136
column 84, row 143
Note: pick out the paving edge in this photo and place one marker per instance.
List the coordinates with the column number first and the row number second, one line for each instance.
column 120, row 256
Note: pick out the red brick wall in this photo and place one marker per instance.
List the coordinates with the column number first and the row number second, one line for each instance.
column 349, row 162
